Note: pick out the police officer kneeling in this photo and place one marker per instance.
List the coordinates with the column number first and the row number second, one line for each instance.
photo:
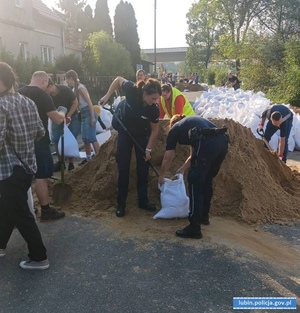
column 209, row 146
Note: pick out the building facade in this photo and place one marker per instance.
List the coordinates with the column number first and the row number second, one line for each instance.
column 29, row 28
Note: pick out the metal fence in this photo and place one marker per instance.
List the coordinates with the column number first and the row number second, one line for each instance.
column 98, row 85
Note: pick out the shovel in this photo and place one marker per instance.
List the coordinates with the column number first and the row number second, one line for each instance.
column 262, row 134
column 62, row 192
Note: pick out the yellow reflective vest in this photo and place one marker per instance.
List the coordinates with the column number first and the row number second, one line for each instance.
column 187, row 109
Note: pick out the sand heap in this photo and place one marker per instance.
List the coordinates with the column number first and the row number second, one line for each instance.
column 252, row 186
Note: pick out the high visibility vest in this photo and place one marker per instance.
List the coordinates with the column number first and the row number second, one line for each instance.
column 187, row 109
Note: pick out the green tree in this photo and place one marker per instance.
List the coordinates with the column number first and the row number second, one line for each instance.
column 282, row 18
column 102, row 19
column 287, row 88
column 104, row 57
column 85, row 21
column 202, row 35
column 65, row 62
column 72, row 9
column 126, row 31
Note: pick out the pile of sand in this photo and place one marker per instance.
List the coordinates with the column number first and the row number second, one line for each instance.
column 253, row 185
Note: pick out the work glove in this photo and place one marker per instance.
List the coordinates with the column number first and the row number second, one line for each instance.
column 62, row 109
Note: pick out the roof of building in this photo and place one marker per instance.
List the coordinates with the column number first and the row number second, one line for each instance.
column 44, row 11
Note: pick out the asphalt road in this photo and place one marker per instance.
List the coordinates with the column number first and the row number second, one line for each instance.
column 92, row 270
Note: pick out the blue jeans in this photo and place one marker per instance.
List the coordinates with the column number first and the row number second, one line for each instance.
column 44, row 160
column 88, row 132
column 271, row 130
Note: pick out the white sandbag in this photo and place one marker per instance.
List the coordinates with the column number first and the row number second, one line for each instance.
column 106, row 118
column 71, row 149
column 30, row 202
column 103, row 137
column 174, row 201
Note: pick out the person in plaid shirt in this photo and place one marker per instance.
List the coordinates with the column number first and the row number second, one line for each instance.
column 20, row 126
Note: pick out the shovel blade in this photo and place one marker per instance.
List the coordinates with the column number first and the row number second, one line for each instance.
column 61, row 193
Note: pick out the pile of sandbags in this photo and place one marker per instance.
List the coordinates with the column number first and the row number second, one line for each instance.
column 244, row 107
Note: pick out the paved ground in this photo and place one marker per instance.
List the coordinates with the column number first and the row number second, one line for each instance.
column 92, row 270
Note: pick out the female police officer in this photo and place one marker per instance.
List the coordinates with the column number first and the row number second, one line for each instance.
column 208, row 149
column 140, row 117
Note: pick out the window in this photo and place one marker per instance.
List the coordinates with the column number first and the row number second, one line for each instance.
column 19, row 3
column 47, row 55
column 23, row 50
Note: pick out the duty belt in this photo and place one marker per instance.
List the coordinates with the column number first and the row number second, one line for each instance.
column 198, row 133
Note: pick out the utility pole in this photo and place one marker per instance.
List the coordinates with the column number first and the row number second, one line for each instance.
column 155, row 38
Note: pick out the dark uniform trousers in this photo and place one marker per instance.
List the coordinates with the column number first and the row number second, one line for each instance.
column 208, row 155
column 271, row 130
column 14, row 211
column 123, row 158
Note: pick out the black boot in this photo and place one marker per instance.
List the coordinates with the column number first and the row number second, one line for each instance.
column 148, row 207
column 120, row 212
column 204, row 220
column 191, row 231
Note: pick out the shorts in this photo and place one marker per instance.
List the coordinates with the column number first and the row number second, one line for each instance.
column 44, row 160
column 74, row 127
column 88, row 132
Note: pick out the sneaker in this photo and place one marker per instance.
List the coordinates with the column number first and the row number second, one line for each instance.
column 57, row 166
column 190, row 231
column 148, row 207
column 71, row 167
column 2, row 252
column 35, row 265
column 51, row 214
column 83, row 162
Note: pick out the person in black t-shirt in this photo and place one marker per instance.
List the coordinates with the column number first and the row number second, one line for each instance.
column 141, row 116
column 36, row 92
column 207, row 152
column 233, row 81
column 64, row 96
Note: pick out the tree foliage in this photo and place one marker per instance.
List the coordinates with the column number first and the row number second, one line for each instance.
column 71, row 9
column 105, row 57
column 102, row 19
column 126, row 30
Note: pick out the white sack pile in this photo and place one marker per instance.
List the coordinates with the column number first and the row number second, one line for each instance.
column 244, row 107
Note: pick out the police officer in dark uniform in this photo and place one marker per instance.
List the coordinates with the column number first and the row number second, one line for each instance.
column 209, row 146
column 140, row 116
column 279, row 117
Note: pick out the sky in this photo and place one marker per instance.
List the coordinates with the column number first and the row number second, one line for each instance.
column 171, row 25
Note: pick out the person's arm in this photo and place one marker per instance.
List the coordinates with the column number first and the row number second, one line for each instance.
column 179, row 104
column 281, row 147
column 186, row 164
column 151, row 141
column 161, row 111
column 56, row 117
column 73, row 108
column 85, row 94
column 2, row 128
column 166, row 164
column 115, row 85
